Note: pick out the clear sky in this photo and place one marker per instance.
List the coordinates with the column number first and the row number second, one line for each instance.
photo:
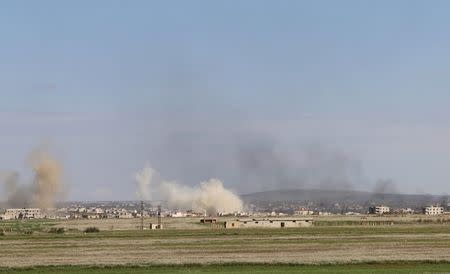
column 239, row 90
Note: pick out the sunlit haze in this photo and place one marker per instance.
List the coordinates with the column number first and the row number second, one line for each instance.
column 261, row 95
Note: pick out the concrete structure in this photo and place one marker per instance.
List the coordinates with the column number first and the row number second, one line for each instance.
column 433, row 210
column 155, row 226
column 269, row 223
column 123, row 214
column 208, row 221
column 380, row 209
column 21, row 213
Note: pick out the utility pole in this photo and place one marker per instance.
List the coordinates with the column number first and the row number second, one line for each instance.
column 159, row 216
column 142, row 215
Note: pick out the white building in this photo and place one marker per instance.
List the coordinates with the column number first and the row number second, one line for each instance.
column 380, row 209
column 304, row 212
column 407, row 210
column 21, row 213
column 178, row 214
column 433, row 210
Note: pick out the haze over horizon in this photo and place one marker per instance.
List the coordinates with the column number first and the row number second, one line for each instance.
column 260, row 95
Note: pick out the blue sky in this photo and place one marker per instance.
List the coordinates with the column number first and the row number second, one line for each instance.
column 187, row 85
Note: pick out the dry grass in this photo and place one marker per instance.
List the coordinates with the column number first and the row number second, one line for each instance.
column 193, row 223
column 194, row 245
column 131, row 224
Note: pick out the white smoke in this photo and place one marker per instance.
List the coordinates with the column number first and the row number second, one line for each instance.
column 143, row 180
column 210, row 196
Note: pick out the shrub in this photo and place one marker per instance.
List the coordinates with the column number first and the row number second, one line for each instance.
column 58, row 230
column 92, row 229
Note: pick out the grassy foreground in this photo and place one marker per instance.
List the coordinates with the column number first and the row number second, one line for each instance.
column 307, row 246
column 39, row 247
column 387, row 267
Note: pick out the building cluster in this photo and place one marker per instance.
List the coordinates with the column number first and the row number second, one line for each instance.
column 307, row 208
column 101, row 213
column 259, row 208
column 428, row 210
column 264, row 211
column 111, row 210
column 21, row 213
column 191, row 213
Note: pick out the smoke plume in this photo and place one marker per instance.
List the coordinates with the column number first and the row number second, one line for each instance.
column 385, row 186
column 210, row 196
column 143, row 179
column 46, row 185
column 16, row 195
column 268, row 165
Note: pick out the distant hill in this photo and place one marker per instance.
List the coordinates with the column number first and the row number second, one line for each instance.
column 344, row 196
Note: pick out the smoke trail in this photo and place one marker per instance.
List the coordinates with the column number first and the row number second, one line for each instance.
column 45, row 188
column 209, row 196
column 143, row 180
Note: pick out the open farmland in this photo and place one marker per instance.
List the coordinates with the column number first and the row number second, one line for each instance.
column 392, row 267
column 188, row 242
column 193, row 222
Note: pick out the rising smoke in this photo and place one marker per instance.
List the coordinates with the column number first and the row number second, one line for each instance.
column 46, row 186
column 16, row 195
column 210, row 196
column 143, row 179
column 385, row 186
column 267, row 164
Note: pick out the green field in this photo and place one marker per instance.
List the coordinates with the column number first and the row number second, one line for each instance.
column 403, row 248
column 399, row 267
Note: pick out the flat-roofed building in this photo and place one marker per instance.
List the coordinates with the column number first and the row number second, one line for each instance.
column 433, row 210
column 380, row 209
column 269, row 223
